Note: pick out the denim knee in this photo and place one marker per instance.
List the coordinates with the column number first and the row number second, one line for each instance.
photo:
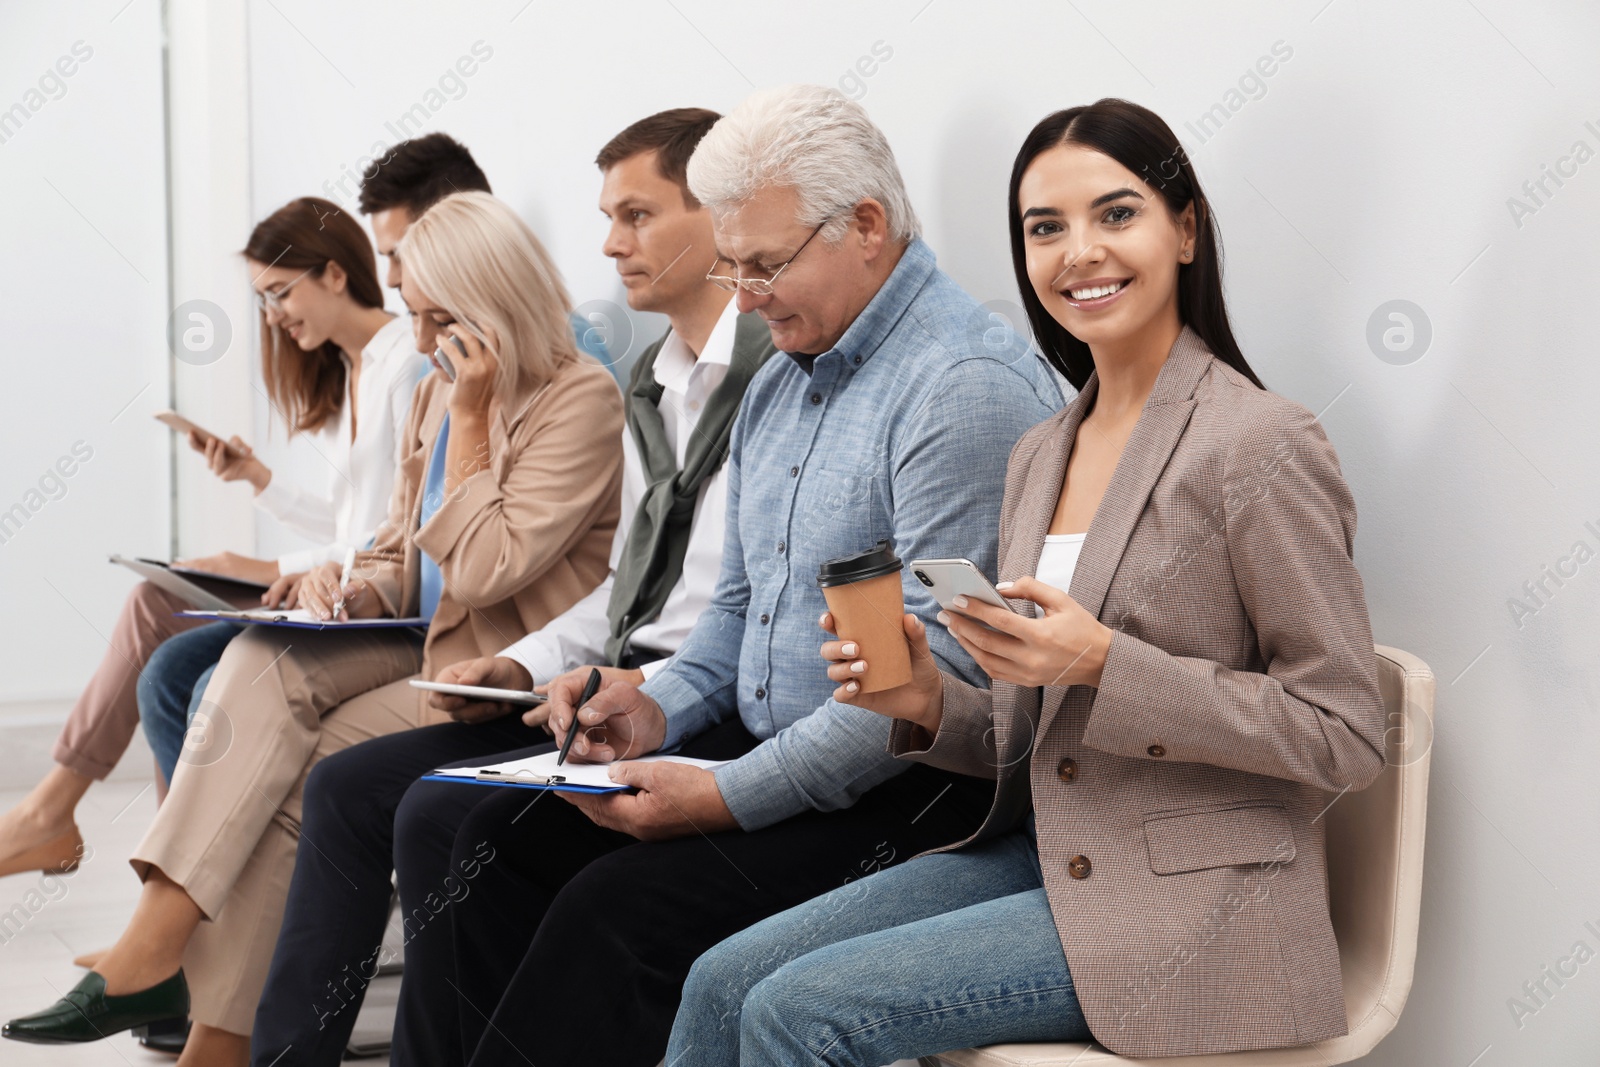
column 779, row 1011
column 715, row 991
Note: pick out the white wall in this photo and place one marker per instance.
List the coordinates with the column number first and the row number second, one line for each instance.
column 84, row 470
column 209, row 172
column 1375, row 165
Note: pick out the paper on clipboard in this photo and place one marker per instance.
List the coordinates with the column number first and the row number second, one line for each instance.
column 542, row 772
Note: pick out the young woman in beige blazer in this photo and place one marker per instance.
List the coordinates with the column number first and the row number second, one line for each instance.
column 515, row 521
column 1185, row 682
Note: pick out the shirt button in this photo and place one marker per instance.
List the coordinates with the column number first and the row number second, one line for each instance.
column 781, row 547
column 816, row 398
column 1157, row 751
column 794, row 472
column 761, row 693
column 1067, row 769
column 1078, row 867
column 765, row 618
column 694, row 405
column 856, row 360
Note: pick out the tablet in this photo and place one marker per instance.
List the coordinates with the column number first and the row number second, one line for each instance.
column 480, row 692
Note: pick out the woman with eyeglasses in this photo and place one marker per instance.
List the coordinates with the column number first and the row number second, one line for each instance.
column 337, row 368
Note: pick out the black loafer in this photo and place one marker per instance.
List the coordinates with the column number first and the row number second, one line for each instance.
column 87, row 1014
column 168, row 1036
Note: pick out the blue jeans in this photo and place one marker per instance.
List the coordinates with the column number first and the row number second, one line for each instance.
column 943, row 952
column 171, row 686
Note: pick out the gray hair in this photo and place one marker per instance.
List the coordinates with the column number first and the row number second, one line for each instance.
column 813, row 139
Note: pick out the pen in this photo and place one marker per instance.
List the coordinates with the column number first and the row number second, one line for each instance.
column 589, row 689
column 344, row 579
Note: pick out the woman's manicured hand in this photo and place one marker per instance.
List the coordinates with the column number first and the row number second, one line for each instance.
column 920, row 700
column 284, row 592
column 1065, row 646
column 319, row 594
column 475, row 372
column 232, row 466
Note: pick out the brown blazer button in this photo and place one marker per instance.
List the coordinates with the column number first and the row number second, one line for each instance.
column 1078, row 866
column 1157, row 751
column 1067, row 769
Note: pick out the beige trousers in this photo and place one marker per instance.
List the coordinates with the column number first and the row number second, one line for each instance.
column 280, row 700
column 107, row 712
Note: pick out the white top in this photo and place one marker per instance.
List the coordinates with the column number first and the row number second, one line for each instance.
column 578, row 635
column 1058, row 559
column 360, row 471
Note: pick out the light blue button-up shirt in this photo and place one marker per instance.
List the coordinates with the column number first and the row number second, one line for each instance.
column 901, row 431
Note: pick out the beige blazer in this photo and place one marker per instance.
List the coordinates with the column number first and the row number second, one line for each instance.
column 1179, row 804
column 518, row 543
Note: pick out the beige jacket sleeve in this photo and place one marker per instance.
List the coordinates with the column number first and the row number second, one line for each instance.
column 503, row 527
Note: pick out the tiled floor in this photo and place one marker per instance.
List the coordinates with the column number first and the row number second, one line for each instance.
column 62, row 917
column 53, row 919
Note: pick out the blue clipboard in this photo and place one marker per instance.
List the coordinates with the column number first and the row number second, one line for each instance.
column 287, row 618
column 504, row 783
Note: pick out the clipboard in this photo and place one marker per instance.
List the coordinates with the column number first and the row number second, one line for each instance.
column 556, row 783
column 542, row 772
column 212, row 592
column 301, row 619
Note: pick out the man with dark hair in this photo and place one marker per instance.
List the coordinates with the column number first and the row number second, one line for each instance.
column 416, row 175
column 682, row 397
column 669, row 138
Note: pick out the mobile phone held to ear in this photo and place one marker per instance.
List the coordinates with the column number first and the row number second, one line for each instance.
column 947, row 579
column 445, row 365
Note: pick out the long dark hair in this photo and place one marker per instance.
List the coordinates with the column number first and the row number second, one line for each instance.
column 307, row 234
column 1137, row 138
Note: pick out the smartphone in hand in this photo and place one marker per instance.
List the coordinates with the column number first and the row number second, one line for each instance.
column 445, row 365
column 947, row 579
column 182, row 425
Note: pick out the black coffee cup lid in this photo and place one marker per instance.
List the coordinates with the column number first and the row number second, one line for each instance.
column 873, row 563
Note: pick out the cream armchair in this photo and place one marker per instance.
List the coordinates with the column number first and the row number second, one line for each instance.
column 1375, row 892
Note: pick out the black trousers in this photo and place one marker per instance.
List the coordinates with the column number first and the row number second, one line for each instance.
column 574, row 943
column 328, row 947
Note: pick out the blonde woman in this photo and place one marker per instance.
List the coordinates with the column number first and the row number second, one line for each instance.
column 502, row 518
column 337, row 367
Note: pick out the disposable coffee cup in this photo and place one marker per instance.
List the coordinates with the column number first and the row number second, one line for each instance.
column 864, row 595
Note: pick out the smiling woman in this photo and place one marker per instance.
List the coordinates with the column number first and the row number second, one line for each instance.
column 301, row 362
column 1125, row 137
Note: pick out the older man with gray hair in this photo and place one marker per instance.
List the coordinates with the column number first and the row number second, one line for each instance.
column 891, row 418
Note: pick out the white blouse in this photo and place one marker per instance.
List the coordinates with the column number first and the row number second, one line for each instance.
column 360, row 471
column 1058, row 559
